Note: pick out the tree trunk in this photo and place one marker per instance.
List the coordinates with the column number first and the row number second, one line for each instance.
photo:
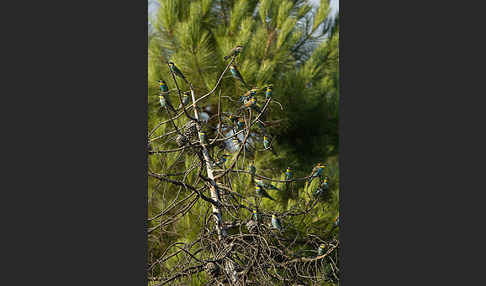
column 217, row 214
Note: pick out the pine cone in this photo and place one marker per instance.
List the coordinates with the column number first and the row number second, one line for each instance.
column 181, row 140
column 190, row 131
column 212, row 269
column 251, row 225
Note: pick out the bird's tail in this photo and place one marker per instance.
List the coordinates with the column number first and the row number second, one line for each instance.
column 275, row 188
column 167, row 107
column 244, row 83
column 171, row 107
column 273, row 151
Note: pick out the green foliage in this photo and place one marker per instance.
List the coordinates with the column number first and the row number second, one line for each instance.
column 279, row 48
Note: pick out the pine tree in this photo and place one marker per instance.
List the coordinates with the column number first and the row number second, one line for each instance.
column 199, row 210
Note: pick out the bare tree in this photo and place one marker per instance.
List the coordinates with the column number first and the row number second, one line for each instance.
column 238, row 243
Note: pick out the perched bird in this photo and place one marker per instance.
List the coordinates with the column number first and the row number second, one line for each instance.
column 252, row 172
column 288, row 174
column 236, row 74
column 317, row 192
column 262, row 193
column 320, row 250
column 203, row 138
column 233, row 118
column 264, row 185
column 177, row 71
column 221, row 161
column 241, row 122
column 165, row 102
column 249, row 94
column 320, row 190
column 276, row 222
column 259, row 183
column 234, row 52
column 236, row 143
column 185, row 99
column 163, row 86
column 267, row 145
column 251, row 103
column 336, row 221
column 256, row 217
column 162, row 101
column 266, row 142
column 247, row 102
column 325, row 184
column 317, row 171
column 268, row 92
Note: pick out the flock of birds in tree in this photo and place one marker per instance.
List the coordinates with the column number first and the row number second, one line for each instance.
column 249, row 101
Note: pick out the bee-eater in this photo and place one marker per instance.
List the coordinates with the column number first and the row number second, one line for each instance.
column 266, row 142
column 256, row 217
column 236, row 74
column 288, row 174
column 251, row 103
column 221, row 161
column 162, row 101
column 234, row 52
column 325, row 184
column 241, row 122
column 264, row 185
column 320, row 190
column 234, row 119
column 165, row 102
column 177, row 71
column 276, row 222
column 249, row 94
column 268, row 92
column 316, row 171
column 267, row 145
column 336, row 221
column 163, row 86
column 320, row 250
column 235, row 142
column 317, row 192
column 260, row 183
column 262, row 193
column 203, row 138
column 185, row 99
